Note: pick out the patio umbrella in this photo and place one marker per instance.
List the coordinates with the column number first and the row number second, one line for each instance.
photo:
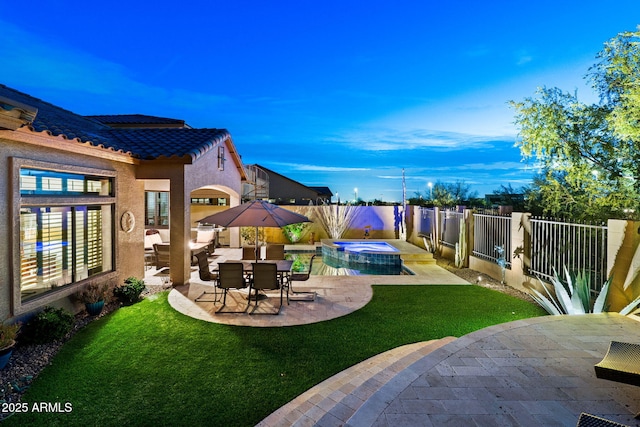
column 256, row 213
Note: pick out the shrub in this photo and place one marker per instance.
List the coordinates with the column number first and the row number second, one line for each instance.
column 48, row 325
column 93, row 293
column 129, row 293
column 8, row 333
column 572, row 295
column 294, row 232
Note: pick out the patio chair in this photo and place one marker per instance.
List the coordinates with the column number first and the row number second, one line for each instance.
column 588, row 420
column 275, row 251
column 249, row 253
column 161, row 253
column 231, row 276
column 265, row 277
column 302, row 277
column 207, row 275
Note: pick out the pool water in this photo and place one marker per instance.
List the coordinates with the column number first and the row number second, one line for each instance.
column 358, row 247
column 333, row 267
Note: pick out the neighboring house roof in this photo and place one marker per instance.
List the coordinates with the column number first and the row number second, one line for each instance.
column 144, row 144
column 318, row 190
column 322, row 190
column 137, row 121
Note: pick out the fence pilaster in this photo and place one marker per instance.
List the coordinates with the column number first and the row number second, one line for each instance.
column 521, row 249
column 436, row 230
column 468, row 231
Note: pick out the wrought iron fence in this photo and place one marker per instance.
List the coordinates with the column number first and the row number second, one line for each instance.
column 491, row 231
column 450, row 227
column 553, row 243
column 579, row 247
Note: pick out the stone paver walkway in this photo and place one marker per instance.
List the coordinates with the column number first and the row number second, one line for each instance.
column 534, row 372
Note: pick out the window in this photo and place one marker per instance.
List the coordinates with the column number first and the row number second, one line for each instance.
column 43, row 182
column 61, row 241
column 214, row 201
column 221, row 158
column 156, row 208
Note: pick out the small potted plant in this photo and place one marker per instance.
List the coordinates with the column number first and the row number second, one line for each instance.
column 8, row 333
column 94, row 296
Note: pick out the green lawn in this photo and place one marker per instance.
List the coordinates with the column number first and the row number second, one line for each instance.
column 149, row 365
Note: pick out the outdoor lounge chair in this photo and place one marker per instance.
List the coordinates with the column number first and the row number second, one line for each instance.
column 206, row 275
column 231, row 276
column 621, row 364
column 302, row 277
column 275, row 251
column 161, row 252
column 265, row 277
column 588, row 420
column 206, row 236
column 151, row 236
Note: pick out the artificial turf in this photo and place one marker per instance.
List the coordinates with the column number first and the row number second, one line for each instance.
column 149, row 365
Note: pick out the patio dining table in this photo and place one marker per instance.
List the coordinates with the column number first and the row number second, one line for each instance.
column 284, row 271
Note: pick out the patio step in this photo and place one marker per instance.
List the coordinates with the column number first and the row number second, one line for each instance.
column 335, row 400
column 418, row 258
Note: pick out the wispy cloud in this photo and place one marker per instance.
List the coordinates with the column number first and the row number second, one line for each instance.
column 317, row 168
column 523, row 57
column 393, row 139
column 492, row 166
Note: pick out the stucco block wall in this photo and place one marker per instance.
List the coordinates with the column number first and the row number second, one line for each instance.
column 383, row 222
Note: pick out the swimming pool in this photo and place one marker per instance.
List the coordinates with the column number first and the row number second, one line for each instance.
column 332, row 267
column 359, row 257
column 364, row 246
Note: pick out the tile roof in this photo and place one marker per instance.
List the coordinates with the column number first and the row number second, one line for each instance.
column 148, row 144
column 135, row 119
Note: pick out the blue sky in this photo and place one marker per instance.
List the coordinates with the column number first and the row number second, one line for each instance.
column 338, row 93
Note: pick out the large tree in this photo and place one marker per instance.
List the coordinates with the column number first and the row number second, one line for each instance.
column 452, row 193
column 588, row 155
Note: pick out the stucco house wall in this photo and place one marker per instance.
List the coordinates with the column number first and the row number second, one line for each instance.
column 22, row 145
column 68, row 161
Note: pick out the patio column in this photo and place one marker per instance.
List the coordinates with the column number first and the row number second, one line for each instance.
column 180, row 230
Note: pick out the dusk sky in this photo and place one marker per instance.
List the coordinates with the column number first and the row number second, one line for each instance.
column 343, row 94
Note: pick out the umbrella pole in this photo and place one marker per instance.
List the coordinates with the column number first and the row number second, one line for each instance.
column 257, row 251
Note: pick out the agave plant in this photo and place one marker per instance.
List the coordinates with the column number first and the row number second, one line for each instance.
column 572, row 295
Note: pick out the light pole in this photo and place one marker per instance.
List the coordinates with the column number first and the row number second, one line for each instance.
column 430, row 185
column 355, row 195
